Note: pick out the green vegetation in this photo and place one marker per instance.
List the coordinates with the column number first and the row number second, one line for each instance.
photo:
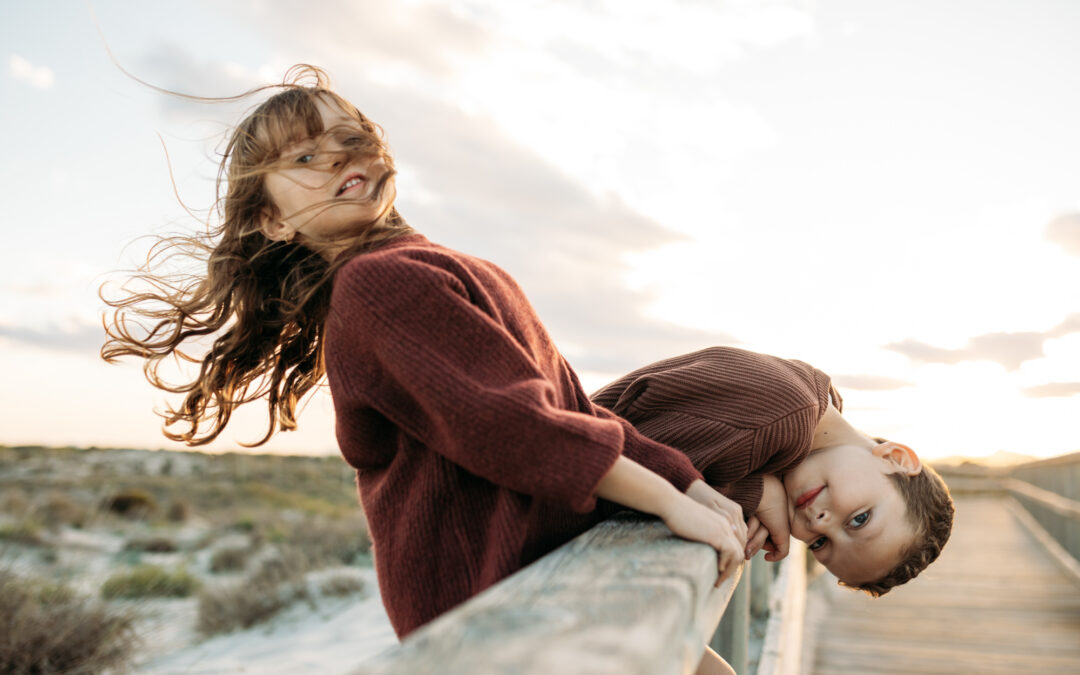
column 146, row 581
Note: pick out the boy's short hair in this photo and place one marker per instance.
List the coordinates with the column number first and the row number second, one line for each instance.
column 930, row 510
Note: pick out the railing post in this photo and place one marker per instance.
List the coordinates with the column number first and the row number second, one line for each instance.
column 732, row 635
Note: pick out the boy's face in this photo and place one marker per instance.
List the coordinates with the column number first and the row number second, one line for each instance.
column 843, row 504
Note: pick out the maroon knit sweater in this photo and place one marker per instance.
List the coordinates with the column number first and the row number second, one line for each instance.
column 475, row 447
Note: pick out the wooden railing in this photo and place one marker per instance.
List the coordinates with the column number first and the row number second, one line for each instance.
column 625, row 597
column 1049, row 491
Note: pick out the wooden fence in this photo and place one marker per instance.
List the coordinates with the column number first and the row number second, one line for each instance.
column 625, row 597
column 1049, row 491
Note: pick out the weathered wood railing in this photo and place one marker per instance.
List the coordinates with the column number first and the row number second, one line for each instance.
column 625, row 597
column 1049, row 491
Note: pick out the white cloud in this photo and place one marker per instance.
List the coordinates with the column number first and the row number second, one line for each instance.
column 1065, row 232
column 40, row 77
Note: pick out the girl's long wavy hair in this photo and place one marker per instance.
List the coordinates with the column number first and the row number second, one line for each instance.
column 263, row 302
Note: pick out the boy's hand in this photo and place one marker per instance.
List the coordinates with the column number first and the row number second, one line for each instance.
column 702, row 493
column 691, row 520
column 769, row 527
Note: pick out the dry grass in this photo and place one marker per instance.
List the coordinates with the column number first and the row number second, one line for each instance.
column 231, row 559
column 276, row 583
column 339, row 585
column 47, row 628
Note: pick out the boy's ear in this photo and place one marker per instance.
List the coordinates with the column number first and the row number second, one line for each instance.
column 273, row 227
column 900, row 456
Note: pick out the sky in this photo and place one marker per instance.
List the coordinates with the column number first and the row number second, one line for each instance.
column 889, row 191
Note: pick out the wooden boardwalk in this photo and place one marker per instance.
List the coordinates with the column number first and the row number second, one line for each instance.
column 995, row 602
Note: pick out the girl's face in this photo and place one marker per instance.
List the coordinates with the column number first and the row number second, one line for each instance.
column 324, row 188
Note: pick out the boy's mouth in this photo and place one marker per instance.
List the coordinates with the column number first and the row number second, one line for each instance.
column 807, row 498
column 351, row 182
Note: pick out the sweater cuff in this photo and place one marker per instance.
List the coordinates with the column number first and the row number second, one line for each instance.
column 746, row 492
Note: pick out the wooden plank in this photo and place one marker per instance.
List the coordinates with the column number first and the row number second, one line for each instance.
column 782, row 650
column 625, row 597
column 994, row 602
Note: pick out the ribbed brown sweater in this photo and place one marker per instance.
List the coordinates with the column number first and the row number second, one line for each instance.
column 737, row 415
column 476, row 449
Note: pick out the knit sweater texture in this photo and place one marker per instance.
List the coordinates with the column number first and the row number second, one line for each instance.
column 475, row 447
column 737, row 414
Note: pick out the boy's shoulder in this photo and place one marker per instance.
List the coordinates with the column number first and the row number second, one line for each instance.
column 722, row 383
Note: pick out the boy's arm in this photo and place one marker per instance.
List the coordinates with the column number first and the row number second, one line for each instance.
column 769, row 527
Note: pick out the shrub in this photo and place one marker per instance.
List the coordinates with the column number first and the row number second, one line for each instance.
column 328, row 541
column 13, row 500
column 178, row 511
column 232, row 559
column 277, row 582
column 151, row 545
column 144, row 581
column 132, row 503
column 58, row 509
column 25, row 531
column 48, row 628
column 341, row 585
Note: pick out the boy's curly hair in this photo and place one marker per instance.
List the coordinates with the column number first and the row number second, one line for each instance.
column 930, row 510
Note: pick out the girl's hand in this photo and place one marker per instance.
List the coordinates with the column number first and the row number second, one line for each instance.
column 704, row 494
column 769, row 527
column 691, row 520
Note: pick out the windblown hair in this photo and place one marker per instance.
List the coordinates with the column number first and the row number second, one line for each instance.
column 263, row 302
column 930, row 510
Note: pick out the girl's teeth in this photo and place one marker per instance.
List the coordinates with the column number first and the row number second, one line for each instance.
column 350, row 183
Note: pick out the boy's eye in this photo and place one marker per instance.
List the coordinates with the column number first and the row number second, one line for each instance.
column 859, row 520
column 817, row 543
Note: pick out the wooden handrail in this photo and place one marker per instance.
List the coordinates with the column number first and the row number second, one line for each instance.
column 625, row 597
column 1051, row 500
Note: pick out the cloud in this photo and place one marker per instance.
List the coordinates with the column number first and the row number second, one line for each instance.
column 1053, row 389
column 80, row 338
column 869, row 382
column 40, row 77
column 1065, row 232
column 1008, row 349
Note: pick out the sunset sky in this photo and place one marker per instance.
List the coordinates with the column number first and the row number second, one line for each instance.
column 889, row 191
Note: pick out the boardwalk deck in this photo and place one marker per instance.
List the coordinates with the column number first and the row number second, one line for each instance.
column 994, row 602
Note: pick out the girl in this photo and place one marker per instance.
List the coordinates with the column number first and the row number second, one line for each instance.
column 476, row 449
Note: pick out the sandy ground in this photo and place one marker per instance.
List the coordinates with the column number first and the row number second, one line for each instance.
column 333, row 636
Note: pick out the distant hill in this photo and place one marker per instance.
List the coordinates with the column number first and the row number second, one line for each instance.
column 1001, row 458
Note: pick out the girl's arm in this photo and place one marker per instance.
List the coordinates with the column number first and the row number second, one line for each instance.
column 632, row 485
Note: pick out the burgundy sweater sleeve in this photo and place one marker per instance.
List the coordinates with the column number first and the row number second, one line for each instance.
column 406, row 341
column 657, row 457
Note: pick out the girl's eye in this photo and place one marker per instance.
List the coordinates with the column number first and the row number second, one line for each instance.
column 859, row 520
column 305, row 159
column 817, row 544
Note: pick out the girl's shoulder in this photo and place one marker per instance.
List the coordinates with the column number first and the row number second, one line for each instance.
column 409, row 261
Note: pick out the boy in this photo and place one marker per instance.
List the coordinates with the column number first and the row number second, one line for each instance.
column 767, row 432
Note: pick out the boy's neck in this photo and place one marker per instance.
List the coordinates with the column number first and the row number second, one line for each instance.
column 832, row 429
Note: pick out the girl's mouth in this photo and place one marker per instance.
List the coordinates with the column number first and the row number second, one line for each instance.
column 351, row 182
column 808, row 497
